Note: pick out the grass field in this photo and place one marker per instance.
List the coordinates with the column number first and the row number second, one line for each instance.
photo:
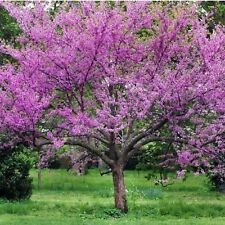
column 66, row 199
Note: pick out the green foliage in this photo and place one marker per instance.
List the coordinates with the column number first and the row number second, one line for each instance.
column 217, row 11
column 216, row 183
column 15, row 183
column 115, row 213
column 63, row 162
column 217, row 179
column 153, row 156
column 9, row 31
column 217, row 8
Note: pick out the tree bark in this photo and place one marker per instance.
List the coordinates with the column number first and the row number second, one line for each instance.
column 119, row 188
column 39, row 180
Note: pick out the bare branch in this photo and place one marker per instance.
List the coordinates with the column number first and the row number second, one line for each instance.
column 147, row 140
column 90, row 148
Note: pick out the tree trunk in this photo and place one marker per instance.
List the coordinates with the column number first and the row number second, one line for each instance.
column 119, row 188
column 39, row 179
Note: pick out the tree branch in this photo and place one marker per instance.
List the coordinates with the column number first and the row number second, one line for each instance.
column 142, row 135
column 90, row 148
column 153, row 139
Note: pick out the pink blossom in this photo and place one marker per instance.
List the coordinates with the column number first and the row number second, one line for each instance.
column 90, row 75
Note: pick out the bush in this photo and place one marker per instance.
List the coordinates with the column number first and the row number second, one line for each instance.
column 54, row 162
column 15, row 183
column 216, row 170
column 65, row 162
column 216, row 176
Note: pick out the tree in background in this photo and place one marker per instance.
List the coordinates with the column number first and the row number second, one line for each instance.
column 15, row 183
column 88, row 76
column 9, row 30
column 216, row 10
column 161, row 160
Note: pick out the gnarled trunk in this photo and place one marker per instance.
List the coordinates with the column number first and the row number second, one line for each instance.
column 119, row 188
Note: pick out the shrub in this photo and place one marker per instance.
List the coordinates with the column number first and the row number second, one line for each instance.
column 215, row 169
column 15, row 183
column 216, row 176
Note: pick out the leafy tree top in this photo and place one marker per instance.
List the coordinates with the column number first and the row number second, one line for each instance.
column 113, row 78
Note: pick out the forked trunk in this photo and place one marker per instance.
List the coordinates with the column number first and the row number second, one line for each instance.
column 119, row 188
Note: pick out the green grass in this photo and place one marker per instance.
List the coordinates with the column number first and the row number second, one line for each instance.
column 66, row 199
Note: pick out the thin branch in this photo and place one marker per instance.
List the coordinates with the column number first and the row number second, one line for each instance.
column 144, row 134
column 147, row 140
column 90, row 148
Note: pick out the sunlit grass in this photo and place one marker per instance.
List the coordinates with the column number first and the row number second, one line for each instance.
column 68, row 199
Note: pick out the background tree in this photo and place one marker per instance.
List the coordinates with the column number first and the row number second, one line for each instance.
column 216, row 11
column 15, row 183
column 161, row 160
column 86, row 77
column 9, row 30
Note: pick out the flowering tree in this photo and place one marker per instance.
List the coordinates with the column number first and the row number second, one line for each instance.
column 112, row 79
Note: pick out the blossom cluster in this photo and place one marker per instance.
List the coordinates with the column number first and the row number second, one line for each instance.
column 109, row 74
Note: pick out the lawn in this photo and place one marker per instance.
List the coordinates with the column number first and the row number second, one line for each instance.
column 88, row 200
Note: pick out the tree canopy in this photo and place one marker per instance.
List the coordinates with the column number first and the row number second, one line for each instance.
column 112, row 79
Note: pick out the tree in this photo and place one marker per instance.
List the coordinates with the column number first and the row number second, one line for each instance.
column 216, row 10
column 9, row 30
column 15, row 183
column 160, row 159
column 112, row 79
